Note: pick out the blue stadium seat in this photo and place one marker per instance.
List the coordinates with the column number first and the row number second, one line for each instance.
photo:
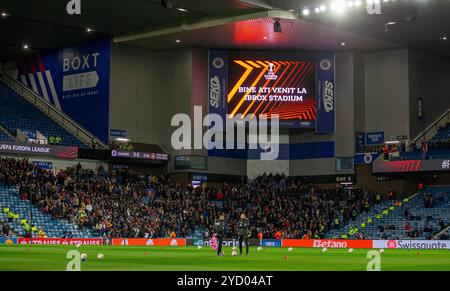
column 4, row 136
column 18, row 113
column 52, row 227
column 435, row 152
column 415, row 206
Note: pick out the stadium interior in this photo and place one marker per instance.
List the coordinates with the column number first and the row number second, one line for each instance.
column 90, row 96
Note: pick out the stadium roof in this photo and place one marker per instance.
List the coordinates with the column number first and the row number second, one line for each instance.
column 45, row 24
column 246, row 24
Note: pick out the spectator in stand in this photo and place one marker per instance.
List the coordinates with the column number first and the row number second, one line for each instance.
column 5, row 229
column 442, row 224
column 278, row 235
column 424, row 145
column 391, row 195
column 428, row 200
column 386, row 152
column 408, row 229
column 444, row 236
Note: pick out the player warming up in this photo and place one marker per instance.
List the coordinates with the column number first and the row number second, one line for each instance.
column 243, row 233
column 219, row 226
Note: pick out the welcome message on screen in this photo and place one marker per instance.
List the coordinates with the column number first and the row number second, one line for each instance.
column 286, row 88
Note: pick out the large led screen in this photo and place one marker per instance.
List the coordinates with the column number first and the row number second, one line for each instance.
column 263, row 86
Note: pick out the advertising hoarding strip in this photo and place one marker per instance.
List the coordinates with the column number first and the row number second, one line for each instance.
column 61, row 241
column 327, row 243
column 381, row 166
column 229, row 242
column 8, row 241
column 412, row 244
column 39, row 150
column 149, row 242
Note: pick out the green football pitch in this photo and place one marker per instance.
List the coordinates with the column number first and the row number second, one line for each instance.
column 34, row 257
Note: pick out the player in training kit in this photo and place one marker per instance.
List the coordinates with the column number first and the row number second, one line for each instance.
column 219, row 230
column 243, row 233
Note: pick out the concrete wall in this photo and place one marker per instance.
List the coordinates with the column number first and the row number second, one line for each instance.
column 227, row 166
column 374, row 92
column 359, row 93
column 147, row 89
column 429, row 79
column 256, row 168
column 403, row 187
column 344, row 136
column 387, row 93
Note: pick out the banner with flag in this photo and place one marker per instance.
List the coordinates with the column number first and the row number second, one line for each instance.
column 74, row 80
column 150, row 193
column 325, row 93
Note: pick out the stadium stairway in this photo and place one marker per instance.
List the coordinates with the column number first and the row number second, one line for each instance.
column 417, row 155
column 52, row 227
column 446, row 231
column 17, row 113
column 363, row 217
column 442, row 134
column 439, row 211
column 428, row 217
column 4, row 135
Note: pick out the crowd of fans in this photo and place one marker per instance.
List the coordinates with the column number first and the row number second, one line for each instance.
column 277, row 205
column 123, row 203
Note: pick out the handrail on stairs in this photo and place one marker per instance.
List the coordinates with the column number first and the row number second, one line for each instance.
column 57, row 115
column 433, row 128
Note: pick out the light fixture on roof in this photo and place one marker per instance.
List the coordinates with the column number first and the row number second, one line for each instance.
column 291, row 10
column 392, row 142
column 317, row 10
column 166, row 3
column 88, row 29
column 177, row 41
column 306, row 12
column 444, row 38
column 4, row 14
column 338, row 6
column 387, row 24
column 121, row 139
column 343, row 44
column 358, row 3
column 181, row 9
column 323, row 8
column 25, row 46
